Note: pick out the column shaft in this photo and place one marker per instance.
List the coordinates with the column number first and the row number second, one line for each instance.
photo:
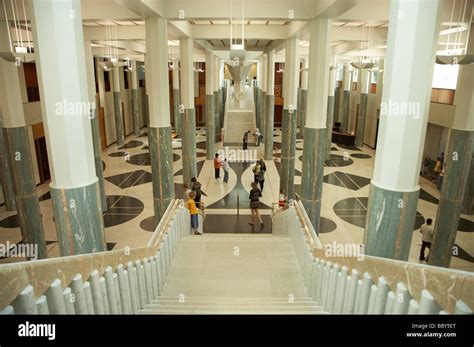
column 346, row 98
column 330, row 114
column 119, row 130
column 270, row 107
column 135, row 108
column 5, row 175
column 362, row 108
column 176, row 98
column 210, row 108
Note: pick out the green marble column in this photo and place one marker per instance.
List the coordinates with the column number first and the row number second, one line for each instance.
column 135, row 112
column 263, row 112
column 221, row 114
column 361, row 121
column 210, row 127
column 24, row 188
column 176, row 114
column 329, row 124
column 302, row 110
column 337, row 103
column 269, row 124
column 161, row 155
column 390, row 222
column 468, row 203
column 457, row 165
column 6, row 176
column 98, row 158
column 189, row 145
column 118, row 118
column 314, row 155
column 288, row 148
column 217, row 118
column 78, row 218
column 345, row 111
column 147, row 110
column 257, row 106
column 224, row 98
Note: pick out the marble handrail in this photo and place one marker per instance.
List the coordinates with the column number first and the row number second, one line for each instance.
column 32, row 279
column 368, row 284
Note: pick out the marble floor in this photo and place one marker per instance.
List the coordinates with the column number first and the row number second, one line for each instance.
column 345, row 190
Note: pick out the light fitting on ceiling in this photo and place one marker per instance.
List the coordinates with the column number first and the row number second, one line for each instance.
column 111, row 35
column 455, row 51
column 365, row 61
column 234, row 44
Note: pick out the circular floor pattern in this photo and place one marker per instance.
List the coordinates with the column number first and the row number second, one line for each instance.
column 361, row 156
column 338, row 160
column 326, row 225
column 118, row 154
column 10, row 222
column 465, row 225
column 122, row 208
column 354, row 211
column 140, row 159
column 131, row 144
column 176, row 157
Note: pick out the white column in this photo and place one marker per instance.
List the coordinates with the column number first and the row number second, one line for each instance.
column 134, row 75
column 264, row 74
column 304, row 74
column 347, row 77
column 291, row 77
column 187, row 88
column 271, row 73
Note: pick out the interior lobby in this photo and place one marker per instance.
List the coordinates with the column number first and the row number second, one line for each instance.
column 361, row 111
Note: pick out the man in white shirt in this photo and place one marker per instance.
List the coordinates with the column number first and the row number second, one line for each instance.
column 426, row 231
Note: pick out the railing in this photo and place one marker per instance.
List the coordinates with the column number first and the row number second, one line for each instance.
column 368, row 284
column 115, row 282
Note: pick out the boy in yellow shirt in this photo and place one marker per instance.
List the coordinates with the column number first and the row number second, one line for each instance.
column 194, row 213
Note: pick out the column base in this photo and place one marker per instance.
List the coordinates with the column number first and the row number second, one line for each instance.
column 161, row 155
column 390, row 222
column 314, row 153
column 78, row 218
column 288, row 148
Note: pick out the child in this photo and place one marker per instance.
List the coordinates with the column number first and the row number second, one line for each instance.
column 194, row 213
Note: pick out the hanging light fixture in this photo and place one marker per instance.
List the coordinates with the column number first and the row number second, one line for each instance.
column 365, row 61
column 234, row 45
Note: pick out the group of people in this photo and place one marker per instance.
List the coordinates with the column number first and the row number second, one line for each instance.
column 245, row 140
column 192, row 197
column 218, row 164
column 438, row 170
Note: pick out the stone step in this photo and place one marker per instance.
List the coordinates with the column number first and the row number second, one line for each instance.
column 231, row 300
column 233, row 312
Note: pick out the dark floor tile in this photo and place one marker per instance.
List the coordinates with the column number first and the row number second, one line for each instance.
column 199, row 166
column 361, row 156
column 232, row 224
column 326, row 225
column 465, row 225
column 459, row 252
column 140, row 159
column 346, row 181
column 131, row 144
column 359, row 180
column 352, row 148
column 118, row 154
column 45, row 196
column 10, row 222
column 349, row 204
column 424, row 195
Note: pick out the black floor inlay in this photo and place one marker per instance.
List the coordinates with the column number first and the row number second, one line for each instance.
column 130, row 179
column 148, row 224
column 145, row 134
column 424, row 195
column 334, row 149
column 326, row 225
column 460, row 253
column 465, row 225
column 299, row 136
column 278, row 167
column 10, row 222
column 239, row 195
column 146, row 148
column 118, row 154
column 354, row 211
column 199, row 166
column 45, row 196
column 140, row 159
column 337, row 161
column 352, row 148
column 201, row 145
column 131, row 144
column 233, row 224
column 121, row 209
column 200, row 154
column 361, row 156
column 345, row 180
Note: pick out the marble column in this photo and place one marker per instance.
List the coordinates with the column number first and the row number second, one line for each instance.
column 189, row 119
column 288, row 142
column 119, row 130
column 135, row 108
column 176, row 98
column 405, row 103
column 215, row 86
column 270, row 121
column 75, row 192
column 210, row 118
column 364, row 94
column 457, row 166
column 468, row 203
column 89, row 59
column 263, row 103
column 314, row 150
column 5, row 174
column 258, row 93
column 221, row 97
column 159, row 130
column 330, row 113
column 20, row 160
column 302, row 97
column 346, row 98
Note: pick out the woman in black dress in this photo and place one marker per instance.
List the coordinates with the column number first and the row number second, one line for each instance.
column 255, row 195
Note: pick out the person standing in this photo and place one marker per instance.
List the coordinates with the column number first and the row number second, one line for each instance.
column 217, row 166
column 186, row 191
column 197, row 189
column 426, row 231
column 261, row 178
column 255, row 195
column 256, row 171
column 258, row 136
column 194, row 213
column 246, row 140
column 226, row 167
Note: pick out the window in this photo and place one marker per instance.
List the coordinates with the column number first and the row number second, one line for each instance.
column 445, row 76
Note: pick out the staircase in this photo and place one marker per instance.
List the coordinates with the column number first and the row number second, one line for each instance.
column 228, row 274
column 239, row 117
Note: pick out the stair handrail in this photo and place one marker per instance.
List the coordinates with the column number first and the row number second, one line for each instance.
column 14, row 277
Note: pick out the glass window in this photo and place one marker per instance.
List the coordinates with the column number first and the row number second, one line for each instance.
column 445, row 76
